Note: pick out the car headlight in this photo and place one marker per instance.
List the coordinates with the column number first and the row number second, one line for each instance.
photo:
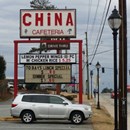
column 86, row 108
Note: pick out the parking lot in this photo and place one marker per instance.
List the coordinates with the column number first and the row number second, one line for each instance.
column 39, row 125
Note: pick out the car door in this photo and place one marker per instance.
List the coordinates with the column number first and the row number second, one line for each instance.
column 56, row 108
column 40, row 104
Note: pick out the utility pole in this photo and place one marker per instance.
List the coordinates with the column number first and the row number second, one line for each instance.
column 123, row 67
column 58, row 86
column 87, row 66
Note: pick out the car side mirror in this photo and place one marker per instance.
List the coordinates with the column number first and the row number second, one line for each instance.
column 65, row 103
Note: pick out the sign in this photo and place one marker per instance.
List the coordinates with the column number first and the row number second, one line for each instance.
column 47, row 58
column 59, row 46
column 48, row 73
column 47, row 23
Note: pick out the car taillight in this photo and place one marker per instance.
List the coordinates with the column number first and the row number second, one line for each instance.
column 14, row 105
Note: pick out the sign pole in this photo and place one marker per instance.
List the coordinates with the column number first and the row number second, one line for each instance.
column 80, row 72
column 15, row 68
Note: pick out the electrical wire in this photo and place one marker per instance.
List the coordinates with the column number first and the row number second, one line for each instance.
column 104, row 67
column 101, row 52
column 89, row 12
column 101, row 32
column 98, row 54
column 93, row 24
column 100, row 26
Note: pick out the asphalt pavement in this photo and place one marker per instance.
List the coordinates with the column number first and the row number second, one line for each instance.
column 5, row 108
column 9, row 123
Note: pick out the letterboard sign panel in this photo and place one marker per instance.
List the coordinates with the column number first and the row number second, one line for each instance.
column 48, row 73
column 47, row 58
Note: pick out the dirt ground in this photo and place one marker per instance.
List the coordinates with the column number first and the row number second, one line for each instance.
column 101, row 119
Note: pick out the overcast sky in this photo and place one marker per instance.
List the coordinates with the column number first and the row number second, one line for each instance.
column 86, row 16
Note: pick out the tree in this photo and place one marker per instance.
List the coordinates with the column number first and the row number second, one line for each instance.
column 31, row 86
column 45, row 5
column 41, row 48
column 107, row 90
column 2, row 68
column 41, row 4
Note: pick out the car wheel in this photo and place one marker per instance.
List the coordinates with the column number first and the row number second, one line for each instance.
column 76, row 117
column 27, row 117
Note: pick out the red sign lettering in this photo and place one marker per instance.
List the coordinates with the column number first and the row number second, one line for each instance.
column 49, row 19
column 25, row 19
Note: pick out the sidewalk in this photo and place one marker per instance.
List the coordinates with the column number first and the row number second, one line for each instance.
column 110, row 108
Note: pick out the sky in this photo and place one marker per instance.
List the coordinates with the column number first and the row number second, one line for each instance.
column 88, row 19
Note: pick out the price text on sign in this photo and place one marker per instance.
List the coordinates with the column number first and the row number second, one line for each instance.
column 48, row 73
column 48, row 23
column 48, row 58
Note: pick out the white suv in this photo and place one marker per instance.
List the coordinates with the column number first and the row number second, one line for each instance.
column 30, row 107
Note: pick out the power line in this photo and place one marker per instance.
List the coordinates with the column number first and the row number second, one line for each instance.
column 101, row 52
column 95, row 16
column 97, row 54
column 104, row 67
column 100, row 26
column 101, row 32
column 89, row 11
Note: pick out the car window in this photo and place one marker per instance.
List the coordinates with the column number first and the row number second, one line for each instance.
column 40, row 99
column 26, row 98
column 56, row 100
column 36, row 98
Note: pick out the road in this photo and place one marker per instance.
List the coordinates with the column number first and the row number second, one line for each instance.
column 43, row 125
column 108, row 103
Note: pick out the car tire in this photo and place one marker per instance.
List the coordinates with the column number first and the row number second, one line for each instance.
column 27, row 117
column 76, row 117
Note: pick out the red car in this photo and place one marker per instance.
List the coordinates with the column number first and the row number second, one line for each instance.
column 128, row 88
column 113, row 95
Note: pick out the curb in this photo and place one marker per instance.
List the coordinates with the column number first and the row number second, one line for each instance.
column 9, row 119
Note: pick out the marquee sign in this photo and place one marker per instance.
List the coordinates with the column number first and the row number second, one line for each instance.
column 47, row 23
column 48, row 73
column 47, row 58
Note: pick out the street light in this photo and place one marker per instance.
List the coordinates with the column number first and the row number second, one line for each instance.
column 91, row 75
column 98, row 66
column 114, row 22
